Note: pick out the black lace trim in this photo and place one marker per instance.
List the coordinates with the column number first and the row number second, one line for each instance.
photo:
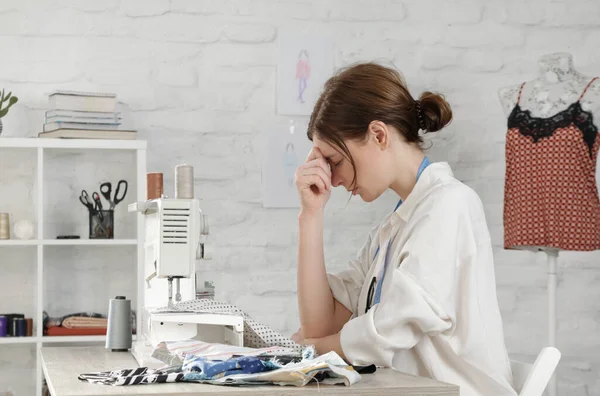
column 539, row 128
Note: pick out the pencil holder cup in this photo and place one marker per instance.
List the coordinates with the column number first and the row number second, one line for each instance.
column 102, row 224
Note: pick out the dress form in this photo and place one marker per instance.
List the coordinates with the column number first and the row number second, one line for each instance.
column 557, row 87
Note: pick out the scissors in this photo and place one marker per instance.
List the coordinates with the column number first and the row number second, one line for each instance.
column 98, row 201
column 85, row 199
column 93, row 204
column 106, row 190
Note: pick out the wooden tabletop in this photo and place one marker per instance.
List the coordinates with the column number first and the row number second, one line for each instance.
column 62, row 365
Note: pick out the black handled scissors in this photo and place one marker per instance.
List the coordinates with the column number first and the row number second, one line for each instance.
column 99, row 207
column 98, row 201
column 93, row 204
column 106, row 190
column 85, row 199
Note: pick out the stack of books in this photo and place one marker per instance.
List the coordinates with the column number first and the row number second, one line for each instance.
column 84, row 115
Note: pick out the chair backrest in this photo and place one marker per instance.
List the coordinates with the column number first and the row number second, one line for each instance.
column 532, row 379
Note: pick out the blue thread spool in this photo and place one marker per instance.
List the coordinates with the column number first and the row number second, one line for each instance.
column 10, row 323
column 3, row 326
column 20, row 329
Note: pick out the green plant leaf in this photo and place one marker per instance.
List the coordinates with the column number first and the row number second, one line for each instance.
column 11, row 102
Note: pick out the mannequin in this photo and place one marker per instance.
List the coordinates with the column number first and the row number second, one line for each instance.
column 558, row 85
column 552, row 97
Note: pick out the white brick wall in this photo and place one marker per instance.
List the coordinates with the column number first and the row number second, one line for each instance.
column 198, row 77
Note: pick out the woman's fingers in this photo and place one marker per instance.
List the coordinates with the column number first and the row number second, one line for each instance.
column 297, row 337
column 321, row 163
column 317, row 171
column 317, row 163
column 314, row 180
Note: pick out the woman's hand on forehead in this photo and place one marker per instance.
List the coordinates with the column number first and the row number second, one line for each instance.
column 314, row 153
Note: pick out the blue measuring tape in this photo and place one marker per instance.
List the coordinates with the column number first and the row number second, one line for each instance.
column 424, row 164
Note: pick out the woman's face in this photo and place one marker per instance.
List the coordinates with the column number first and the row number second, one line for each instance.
column 372, row 169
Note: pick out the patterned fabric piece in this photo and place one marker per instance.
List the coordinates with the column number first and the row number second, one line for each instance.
column 550, row 196
column 199, row 368
column 539, row 128
column 137, row 376
column 256, row 335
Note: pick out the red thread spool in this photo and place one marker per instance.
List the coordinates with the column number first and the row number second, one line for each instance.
column 154, row 185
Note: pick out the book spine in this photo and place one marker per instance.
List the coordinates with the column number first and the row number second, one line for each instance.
column 80, row 120
column 82, row 103
column 71, row 125
column 81, row 114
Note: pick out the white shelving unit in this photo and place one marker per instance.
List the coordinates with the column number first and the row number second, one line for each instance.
column 43, row 147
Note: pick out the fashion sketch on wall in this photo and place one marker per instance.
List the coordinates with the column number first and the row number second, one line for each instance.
column 304, row 63
column 286, row 148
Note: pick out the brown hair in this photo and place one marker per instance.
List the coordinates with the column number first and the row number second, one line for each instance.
column 367, row 92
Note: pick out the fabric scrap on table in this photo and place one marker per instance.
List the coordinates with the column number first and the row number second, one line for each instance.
column 246, row 370
column 137, row 376
column 200, row 368
column 327, row 369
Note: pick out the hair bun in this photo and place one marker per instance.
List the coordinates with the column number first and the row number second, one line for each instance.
column 436, row 111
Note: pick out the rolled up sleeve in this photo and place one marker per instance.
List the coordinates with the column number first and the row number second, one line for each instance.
column 346, row 285
column 419, row 295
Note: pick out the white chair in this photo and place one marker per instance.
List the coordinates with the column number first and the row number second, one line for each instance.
column 532, row 379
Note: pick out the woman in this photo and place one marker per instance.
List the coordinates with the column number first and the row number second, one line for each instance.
column 421, row 295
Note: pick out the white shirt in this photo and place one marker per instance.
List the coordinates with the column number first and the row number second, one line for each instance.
column 438, row 315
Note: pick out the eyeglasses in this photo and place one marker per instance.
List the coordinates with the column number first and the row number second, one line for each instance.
column 370, row 294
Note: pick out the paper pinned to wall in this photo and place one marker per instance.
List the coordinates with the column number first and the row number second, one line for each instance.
column 286, row 149
column 305, row 62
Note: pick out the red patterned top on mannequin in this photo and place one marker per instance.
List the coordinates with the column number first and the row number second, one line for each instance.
column 550, row 195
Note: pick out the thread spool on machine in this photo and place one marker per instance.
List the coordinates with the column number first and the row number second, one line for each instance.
column 184, row 183
column 154, row 185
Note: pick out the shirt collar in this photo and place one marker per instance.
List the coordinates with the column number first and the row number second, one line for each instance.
column 430, row 178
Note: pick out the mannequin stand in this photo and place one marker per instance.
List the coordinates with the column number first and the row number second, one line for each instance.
column 552, row 257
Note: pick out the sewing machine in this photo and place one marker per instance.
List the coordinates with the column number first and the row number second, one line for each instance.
column 175, row 237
